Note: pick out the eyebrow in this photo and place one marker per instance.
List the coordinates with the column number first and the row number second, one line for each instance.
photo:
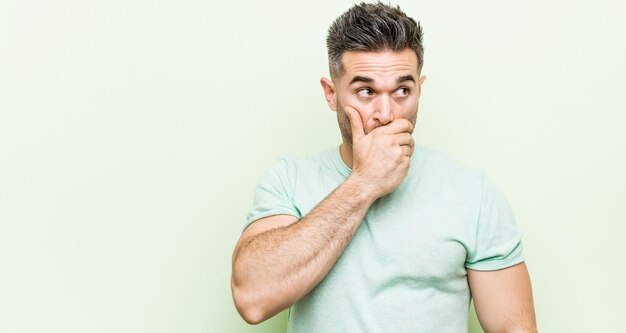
column 405, row 78
column 361, row 79
column 366, row 79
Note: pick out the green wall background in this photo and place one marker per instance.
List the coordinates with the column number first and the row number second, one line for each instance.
column 132, row 134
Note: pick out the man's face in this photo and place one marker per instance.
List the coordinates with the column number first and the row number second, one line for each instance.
column 381, row 86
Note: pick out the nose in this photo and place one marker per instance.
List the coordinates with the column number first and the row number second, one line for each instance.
column 384, row 112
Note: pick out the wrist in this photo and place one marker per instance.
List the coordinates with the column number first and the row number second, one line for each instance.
column 362, row 187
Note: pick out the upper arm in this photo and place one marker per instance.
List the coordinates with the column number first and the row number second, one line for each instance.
column 503, row 299
column 261, row 225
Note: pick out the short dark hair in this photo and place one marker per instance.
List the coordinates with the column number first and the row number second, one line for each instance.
column 372, row 27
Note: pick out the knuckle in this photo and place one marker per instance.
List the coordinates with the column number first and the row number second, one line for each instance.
column 399, row 152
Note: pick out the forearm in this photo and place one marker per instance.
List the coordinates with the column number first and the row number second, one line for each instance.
column 276, row 268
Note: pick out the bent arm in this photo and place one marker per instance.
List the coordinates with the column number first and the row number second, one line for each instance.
column 503, row 299
column 275, row 268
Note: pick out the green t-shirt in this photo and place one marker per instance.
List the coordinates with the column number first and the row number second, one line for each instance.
column 405, row 268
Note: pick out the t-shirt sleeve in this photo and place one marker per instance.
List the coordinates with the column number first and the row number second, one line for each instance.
column 274, row 192
column 498, row 242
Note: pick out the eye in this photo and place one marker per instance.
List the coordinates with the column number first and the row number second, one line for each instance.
column 365, row 92
column 402, row 92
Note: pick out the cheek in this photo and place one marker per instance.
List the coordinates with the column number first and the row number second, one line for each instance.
column 350, row 99
column 409, row 108
column 407, row 111
column 365, row 109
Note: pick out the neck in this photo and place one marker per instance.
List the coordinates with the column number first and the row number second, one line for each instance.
column 345, row 151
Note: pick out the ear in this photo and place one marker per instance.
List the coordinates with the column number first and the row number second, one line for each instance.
column 329, row 92
column 420, row 82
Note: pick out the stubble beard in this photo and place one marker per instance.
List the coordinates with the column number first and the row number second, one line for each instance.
column 344, row 125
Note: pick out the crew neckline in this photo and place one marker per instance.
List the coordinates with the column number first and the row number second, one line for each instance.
column 339, row 163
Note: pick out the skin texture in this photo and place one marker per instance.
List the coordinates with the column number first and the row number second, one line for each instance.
column 277, row 261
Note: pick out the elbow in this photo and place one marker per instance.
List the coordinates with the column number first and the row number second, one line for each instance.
column 251, row 312
column 252, row 315
column 522, row 329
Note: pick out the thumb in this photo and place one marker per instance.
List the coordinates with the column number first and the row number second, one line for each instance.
column 355, row 123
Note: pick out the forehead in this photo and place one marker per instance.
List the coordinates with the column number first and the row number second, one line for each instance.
column 379, row 64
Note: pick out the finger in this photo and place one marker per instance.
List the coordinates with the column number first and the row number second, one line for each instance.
column 397, row 126
column 408, row 151
column 403, row 139
column 355, row 123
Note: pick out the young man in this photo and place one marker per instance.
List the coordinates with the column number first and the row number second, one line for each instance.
column 379, row 234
